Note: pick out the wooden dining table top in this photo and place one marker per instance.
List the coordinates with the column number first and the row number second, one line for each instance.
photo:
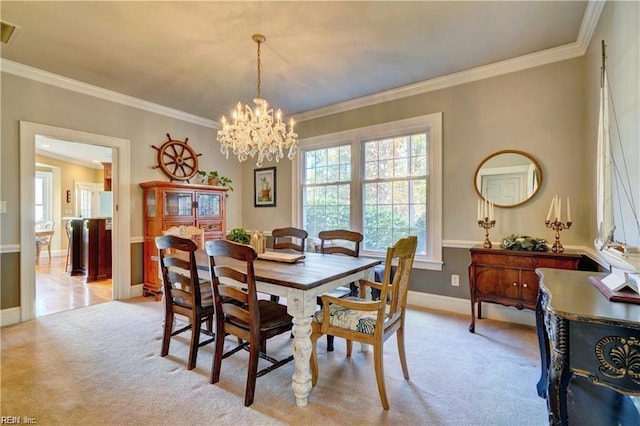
column 314, row 270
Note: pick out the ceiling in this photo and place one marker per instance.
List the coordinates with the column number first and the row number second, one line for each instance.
column 198, row 57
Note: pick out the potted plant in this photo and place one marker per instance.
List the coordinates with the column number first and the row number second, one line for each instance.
column 214, row 178
column 239, row 235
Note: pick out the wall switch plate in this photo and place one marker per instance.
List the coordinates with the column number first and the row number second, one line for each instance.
column 3, row 206
column 455, row 280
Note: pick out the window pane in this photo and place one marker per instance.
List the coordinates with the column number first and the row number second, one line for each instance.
column 394, row 191
column 327, row 189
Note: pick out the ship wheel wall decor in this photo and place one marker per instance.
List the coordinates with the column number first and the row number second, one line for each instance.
column 177, row 160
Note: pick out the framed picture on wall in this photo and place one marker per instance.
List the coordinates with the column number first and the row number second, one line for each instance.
column 264, row 187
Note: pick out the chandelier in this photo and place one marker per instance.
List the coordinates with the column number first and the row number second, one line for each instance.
column 255, row 131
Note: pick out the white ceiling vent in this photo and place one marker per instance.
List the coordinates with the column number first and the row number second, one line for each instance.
column 9, row 32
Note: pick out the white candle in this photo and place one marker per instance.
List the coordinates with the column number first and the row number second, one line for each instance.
column 568, row 210
column 559, row 209
column 555, row 210
column 550, row 208
column 491, row 216
column 486, row 209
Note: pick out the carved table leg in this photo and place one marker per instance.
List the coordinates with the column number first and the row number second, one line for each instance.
column 559, row 373
column 301, row 355
column 543, row 343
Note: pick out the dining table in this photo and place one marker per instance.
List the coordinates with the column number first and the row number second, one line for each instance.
column 300, row 279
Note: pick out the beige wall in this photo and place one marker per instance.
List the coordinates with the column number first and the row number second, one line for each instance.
column 539, row 111
column 28, row 100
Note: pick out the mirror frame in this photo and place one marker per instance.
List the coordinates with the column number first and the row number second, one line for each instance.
column 509, row 151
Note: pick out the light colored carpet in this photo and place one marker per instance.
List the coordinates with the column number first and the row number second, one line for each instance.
column 101, row 365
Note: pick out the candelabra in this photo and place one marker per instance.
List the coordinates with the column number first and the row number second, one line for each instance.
column 487, row 224
column 557, row 226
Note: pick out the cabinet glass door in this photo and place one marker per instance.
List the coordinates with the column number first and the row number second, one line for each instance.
column 178, row 204
column 150, row 202
column 208, row 204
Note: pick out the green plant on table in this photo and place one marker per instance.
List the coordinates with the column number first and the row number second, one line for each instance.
column 239, row 235
column 524, row 242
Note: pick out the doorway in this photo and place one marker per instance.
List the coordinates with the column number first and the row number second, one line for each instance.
column 69, row 185
column 121, row 279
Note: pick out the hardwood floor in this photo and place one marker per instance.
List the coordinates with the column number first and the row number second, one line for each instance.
column 57, row 291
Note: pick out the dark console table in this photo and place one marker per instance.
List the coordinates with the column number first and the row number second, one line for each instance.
column 582, row 333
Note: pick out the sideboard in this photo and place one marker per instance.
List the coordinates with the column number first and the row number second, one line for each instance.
column 508, row 277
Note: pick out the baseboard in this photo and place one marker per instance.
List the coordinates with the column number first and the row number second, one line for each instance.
column 136, row 290
column 9, row 316
column 463, row 306
column 421, row 300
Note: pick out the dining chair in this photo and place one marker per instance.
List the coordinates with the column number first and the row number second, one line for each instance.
column 344, row 242
column 68, row 230
column 370, row 321
column 240, row 313
column 289, row 238
column 44, row 234
column 184, row 294
column 187, row 231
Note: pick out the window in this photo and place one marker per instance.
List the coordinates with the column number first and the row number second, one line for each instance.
column 327, row 188
column 86, row 198
column 44, row 196
column 394, row 188
column 382, row 180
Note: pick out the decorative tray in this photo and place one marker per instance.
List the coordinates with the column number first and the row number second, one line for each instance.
column 615, row 296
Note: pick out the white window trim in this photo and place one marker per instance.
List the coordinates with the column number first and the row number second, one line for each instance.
column 47, row 193
column 431, row 123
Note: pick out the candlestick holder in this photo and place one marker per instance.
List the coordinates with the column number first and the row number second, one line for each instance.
column 486, row 224
column 557, row 226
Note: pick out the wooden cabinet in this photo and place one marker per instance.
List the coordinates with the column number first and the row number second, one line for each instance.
column 97, row 249
column 107, row 176
column 508, row 277
column 90, row 248
column 168, row 204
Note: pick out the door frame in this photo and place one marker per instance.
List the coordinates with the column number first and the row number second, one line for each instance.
column 121, row 170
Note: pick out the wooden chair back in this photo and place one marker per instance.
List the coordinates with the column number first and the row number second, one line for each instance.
column 179, row 276
column 187, row 231
column 239, row 312
column 340, row 241
column 231, row 301
column 394, row 290
column 184, row 293
column 289, row 238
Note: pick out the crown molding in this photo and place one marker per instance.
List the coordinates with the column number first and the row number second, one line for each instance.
column 556, row 54
column 56, row 80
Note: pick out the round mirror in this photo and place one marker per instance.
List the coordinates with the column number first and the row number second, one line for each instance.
column 508, row 178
